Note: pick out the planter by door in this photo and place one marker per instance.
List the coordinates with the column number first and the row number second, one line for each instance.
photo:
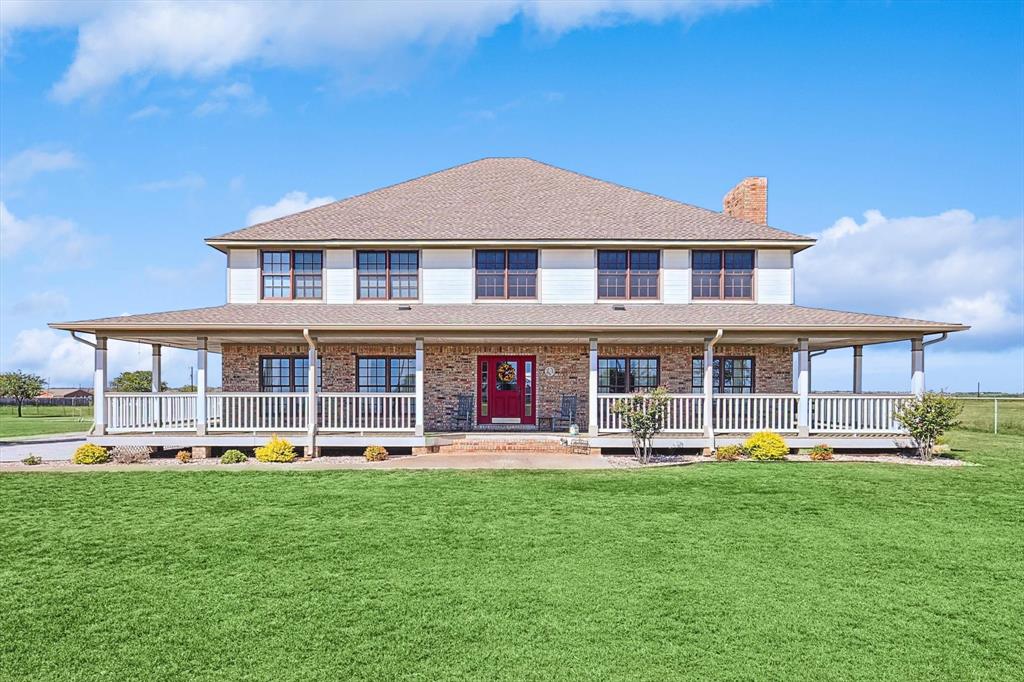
column 506, row 389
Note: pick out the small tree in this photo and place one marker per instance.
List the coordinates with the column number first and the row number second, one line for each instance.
column 644, row 415
column 135, row 382
column 20, row 386
column 927, row 418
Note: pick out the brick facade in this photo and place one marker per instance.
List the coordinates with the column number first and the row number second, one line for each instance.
column 450, row 369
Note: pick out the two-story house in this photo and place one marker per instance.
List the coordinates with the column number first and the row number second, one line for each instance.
column 506, row 295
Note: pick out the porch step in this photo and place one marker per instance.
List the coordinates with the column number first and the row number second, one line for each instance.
column 553, row 445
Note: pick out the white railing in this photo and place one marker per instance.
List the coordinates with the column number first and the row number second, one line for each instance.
column 750, row 412
column 257, row 411
column 855, row 414
column 685, row 413
column 150, row 412
column 367, row 412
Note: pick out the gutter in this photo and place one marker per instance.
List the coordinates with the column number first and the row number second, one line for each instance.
column 945, row 335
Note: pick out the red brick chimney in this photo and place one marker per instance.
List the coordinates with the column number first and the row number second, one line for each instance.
column 748, row 200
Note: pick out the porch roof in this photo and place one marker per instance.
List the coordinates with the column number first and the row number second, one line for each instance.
column 748, row 322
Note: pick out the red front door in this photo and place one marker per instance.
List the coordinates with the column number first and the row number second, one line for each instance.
column 505, row 389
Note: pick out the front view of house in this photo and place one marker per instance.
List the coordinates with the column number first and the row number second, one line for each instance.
column 506, row 295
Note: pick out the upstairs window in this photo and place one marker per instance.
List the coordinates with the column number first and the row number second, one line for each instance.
column 386, row 375
column 723, row 275
column 506, row 273
column 626, row 375
column 731, row 375
column 391, row 275
column 628, row 274
column 292, row 274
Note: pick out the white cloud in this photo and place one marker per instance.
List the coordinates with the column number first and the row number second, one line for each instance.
column 178, row 39
column 236, row 95
column 23, row 166
column 951, row 267
column 191, row 181
column 293, row 202
column 63, row 361
column 41, row 302
column 48, row 240
column 150, row 111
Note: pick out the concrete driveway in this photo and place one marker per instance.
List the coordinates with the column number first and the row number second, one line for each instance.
column 54, row 448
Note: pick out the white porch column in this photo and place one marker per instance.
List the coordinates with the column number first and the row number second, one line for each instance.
column 858, row 369
column 917, row 366
column 803, row 385
column 419, row 388
column 201, row 386
column 592, row 390
column 311, row 411
column 156, row 368
column 99, row 387
column 709, row 390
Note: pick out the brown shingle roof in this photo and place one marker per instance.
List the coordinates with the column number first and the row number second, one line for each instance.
column 507, row 316
column 507, row 199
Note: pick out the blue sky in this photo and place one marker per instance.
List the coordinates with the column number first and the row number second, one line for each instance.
column 893, row 132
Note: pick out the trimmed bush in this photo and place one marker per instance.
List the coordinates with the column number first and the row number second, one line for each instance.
column 375, row 453
column 184, row 456
column 821, row 453
column 233, row 457
column 276, row 450
column 90, row 453
column 766, row 446
column 730, row 453
column 32, row 460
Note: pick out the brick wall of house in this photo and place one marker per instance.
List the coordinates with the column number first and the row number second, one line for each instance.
column 450, row 369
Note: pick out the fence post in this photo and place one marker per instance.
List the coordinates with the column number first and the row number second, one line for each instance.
column 995, row 416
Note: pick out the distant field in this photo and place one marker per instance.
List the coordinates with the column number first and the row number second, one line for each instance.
column 979, row 415
column 38, row 420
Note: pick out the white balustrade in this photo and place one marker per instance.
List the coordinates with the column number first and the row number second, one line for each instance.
column 855, row 414
column 126, row 412
column 257, row 411
column 751, row 412
column 367, row 412
column 684, row 413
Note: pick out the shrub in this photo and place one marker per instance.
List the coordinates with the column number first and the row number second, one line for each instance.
column 90, row 453
column 644, row 414
column 927, row 418
column 32, row 460
column 821, row 453
column 766, row 446
column 233, row 457
column 375, row 453
column 276, row 450
column 184, row 456
column 730, row 453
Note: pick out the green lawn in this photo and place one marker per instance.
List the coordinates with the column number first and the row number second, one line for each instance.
column 979, row 415
column 43, row 419
column 731, row 571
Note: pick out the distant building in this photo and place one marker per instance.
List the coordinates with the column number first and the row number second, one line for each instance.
column 66, row 393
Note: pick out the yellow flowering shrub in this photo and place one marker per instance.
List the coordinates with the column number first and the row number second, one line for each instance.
column 766, row 446
column 90, row 453
column 375, row 453
column 729, row 453
column 184, row 456
column 276, row 450
column 821, row 453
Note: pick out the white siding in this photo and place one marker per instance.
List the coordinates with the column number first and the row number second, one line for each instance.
column 774, row 276
column 568, row 276
column 447, row 275
column 243, row 276
column 339, row 280
column 676, row 273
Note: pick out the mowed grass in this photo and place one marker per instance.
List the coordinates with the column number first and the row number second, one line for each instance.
column 38, row 420
column 980, row 415
column 731, row 571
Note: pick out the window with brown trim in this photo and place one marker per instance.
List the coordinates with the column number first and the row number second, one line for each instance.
column 628, row 274
column 506, row 273
column 386, row 375
column 292, row 274
column 723, row 275
column 287, row 374
column 626, row 375
column 731, row 375
column 391, row 275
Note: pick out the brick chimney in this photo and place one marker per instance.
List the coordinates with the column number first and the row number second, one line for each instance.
column 748, row 200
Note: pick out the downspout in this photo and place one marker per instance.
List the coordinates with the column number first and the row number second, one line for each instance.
column 943, row 337
column 311, row 411
column 709, row 389
column 92, row 345
column 810, row 367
